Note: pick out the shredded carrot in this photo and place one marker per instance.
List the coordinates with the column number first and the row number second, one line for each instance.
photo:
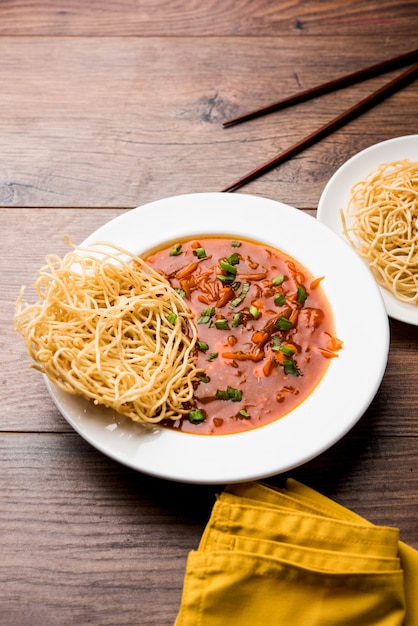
column 315, row 283
column 328, row 354
column 260, row 336
column 226, row 294
column 280, row 357
column 243, row 356
column 294, row 316
column 185, row 285
column 259, row 276
column 204, row 299
column 186, row 271
column 269, row 364
column 334, row 343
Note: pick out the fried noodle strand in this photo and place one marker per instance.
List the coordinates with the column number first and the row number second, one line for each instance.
column 107, row 327
column 381, row 223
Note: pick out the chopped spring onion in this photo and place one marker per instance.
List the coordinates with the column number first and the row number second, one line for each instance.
column 243, row 414
column 212, row 356
column 301, row 295
column 235, row 244
column 171, row 317
column 176, row 250
column 255, row 312
column 181, row 293
column 222, row 324
column 277, row 280
column 200, row 253
column 291, row 368
column 229, row 394
column 236, row 320
column 228, row 267
column 287, row 350
column 277, row 342
column 206, row 315
column 202, row 345
column 233, row 259
column 196, row 416
column 204, row 378
column 234, row 303
column 282, row 323
column 279, row 300
column 228, row 278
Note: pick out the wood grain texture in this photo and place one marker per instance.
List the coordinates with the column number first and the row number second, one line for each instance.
column 117, row 122
column 209, row 18
column 85, row 540
column 106, row 105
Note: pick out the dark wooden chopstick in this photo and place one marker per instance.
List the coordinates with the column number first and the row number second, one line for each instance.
column 332, row 85
column 364, row 105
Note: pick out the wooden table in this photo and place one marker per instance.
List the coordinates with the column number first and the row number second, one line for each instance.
column 106, row 105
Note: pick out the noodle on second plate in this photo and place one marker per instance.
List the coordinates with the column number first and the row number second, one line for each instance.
column 109, row 328
column 381, row 223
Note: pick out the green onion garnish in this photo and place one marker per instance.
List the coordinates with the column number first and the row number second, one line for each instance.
column 245, row 288
column 204, row 378
column 291, row 368
column 212, row 356
column 277, row 280
column 176, row 250
column 228, row 278
column 171, row 317
column 235, row 395
column 301, row 295
column 236, row 320
column 196, row 416
column 227, row 267
column 282, row 323
column 200, row 253
column 235, row 244
column 202, row 345
column 233, row 259
column 287, row 350
column 206, row 315
column 277, row 342
column 222, row 324
column 255, row 312
column 181, row 293
column 243, row 414
column 279, row 299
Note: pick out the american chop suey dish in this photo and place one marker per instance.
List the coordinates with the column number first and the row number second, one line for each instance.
column 208, row 336
column 265, row 331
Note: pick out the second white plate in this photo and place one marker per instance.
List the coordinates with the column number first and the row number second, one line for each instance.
column 336, row 196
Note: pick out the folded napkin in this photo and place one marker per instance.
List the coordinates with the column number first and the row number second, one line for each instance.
column 292, row 557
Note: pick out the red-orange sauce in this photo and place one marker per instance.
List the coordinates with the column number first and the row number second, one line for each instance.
column 267, row 326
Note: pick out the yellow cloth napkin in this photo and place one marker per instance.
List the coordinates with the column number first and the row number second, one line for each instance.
column 292, row 557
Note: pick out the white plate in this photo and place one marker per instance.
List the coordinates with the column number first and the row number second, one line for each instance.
column 336, row 196
column 341, row 398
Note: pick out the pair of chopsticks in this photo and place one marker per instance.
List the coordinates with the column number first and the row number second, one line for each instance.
column 360, row 107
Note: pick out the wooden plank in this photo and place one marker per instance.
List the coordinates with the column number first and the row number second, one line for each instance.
column 118, row 122
column 85, row 540
column 212, row 17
